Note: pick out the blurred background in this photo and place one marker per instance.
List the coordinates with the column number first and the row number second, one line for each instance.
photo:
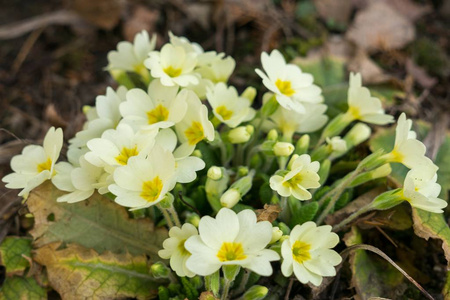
column 53, row 54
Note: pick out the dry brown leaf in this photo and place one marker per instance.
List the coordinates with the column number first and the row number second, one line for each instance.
column 337, row 10
column 407, row 8
column 370, row 71
column 380, row 27
column 207, row 296
column 268, row 213
column 102, row 13
column 142, row 18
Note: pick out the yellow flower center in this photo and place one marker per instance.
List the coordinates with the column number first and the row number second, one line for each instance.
column 284, row 87
column 172, row 72
column 354, row 112
column 225, row 113
column 300, row 251
column 125, row 154
column 158, row 114
column 47, row 165
column 182, row 249
column 195, row 133
column 231, row 251
column 395, row 156
column 151, row 189
column 294, row 181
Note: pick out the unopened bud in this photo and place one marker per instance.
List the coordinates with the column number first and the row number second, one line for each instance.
column 256, row 292
column 249, row 93
column 230, row 198
column 272, row 135
column 240, row 134
column 276, row 235
column 284, row 228
column 193, row 218
column 215, row 173
column 197, row 153
column 337, row 144
column 302, row 145
column 283, row 149
column 358, row 134
column 159, row 270
column 242, row 171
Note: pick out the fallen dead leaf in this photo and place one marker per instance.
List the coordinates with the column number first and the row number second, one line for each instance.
column 370, row 71
column 102, row 13
column 338, row 11
column 142, row 18
column 268, row 213
column 380, row 27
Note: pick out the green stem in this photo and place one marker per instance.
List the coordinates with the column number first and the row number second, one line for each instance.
column 243, row 283
column 352, row 217
column 226, row 289
column 223, row 153
column 174, row 215
column 238, row 159
column 250, row 145
column 166, row 216
column 336, row 192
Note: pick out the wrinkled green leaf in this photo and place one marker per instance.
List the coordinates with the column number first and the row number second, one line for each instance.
column 79, row 273
column 21, row 288
column 304, row 214
column 431, row 225
column 371, row 275
column 96, row 223
column 12, row 251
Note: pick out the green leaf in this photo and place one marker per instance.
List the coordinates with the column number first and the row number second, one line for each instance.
column 446, row 289
column 12, row 252
column 79, row 273
column 96, row 223
column 372, row 276
column 304, row 214
column 431, row 225
column 22, row 288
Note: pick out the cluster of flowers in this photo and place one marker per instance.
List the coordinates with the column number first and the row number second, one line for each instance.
column 137, row 144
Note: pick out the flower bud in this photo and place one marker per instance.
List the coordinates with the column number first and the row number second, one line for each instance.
column 215, row 173
column 302, row 145
column 159, row 270
column 276, row 235
column 272, row 135
column 249, row 93
column 240, row 134
column 230, row 198
column 197, row 153
column 358, row 134
column 337, row 144
column 193, row 218
column 242, row 171
column 270, row 106
column 284, row 228
column 283, row 149
column 324, row 171
column 256, row 292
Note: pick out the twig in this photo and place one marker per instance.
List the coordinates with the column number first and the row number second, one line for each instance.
column 373, row 249
column 25, row 50
column 60, row 17
column 180, row 195
column 289, row 288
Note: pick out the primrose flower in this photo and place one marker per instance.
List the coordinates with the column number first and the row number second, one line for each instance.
column 107, row 116
column 296, row 182
column 218, row 70
column 144, row 182
column 173, row 65
column 407, row 150
column 290, row 86
column 130, row 57
column 421, row 191
column 116, row 146
column 195, row 125
column 362, row 106
column 36, row 163
column 81, row 181
column 307, row 253
column 231, row 239
column 161, row 107
column 175, row 251
column 291, row 121
column 228, row 107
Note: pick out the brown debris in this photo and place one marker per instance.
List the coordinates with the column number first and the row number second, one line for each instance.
column 268, row 213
